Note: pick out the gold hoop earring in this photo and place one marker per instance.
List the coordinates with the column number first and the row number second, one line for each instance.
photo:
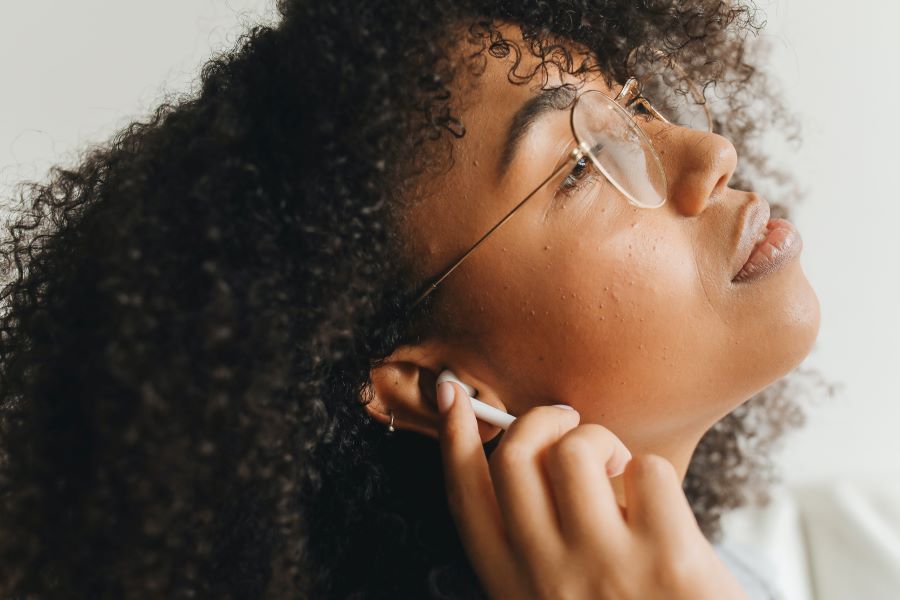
column 390, row 428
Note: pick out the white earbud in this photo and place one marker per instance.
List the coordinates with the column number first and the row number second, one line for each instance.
column 485, row 412
column 448, row 375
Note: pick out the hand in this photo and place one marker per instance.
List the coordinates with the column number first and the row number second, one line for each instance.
column 540, row 520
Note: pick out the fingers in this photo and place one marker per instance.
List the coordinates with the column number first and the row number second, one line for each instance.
column 656, row 501
column 521, row 485
column 578, row 467
column 468, row 482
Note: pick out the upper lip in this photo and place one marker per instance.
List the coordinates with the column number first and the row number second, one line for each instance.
column 753, row 219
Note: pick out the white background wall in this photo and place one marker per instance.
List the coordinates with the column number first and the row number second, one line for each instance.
column 72, row 72
column 838, row 64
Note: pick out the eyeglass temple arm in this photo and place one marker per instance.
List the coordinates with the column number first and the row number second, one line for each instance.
column 574, row 155
column 629, row 95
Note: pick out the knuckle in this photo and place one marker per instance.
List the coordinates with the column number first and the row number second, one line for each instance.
column 584, row 443
column 677, row 570
column 511, row 455
column 653, row 466
column 620, row 583
column 573, row 450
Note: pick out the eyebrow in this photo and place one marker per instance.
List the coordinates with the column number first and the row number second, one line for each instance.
column 548, row 100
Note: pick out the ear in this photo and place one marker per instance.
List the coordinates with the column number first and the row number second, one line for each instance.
column 405, row 383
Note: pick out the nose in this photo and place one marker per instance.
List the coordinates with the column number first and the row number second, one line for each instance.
column 698, row 167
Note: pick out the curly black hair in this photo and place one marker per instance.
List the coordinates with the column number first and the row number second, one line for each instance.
column 191, row 313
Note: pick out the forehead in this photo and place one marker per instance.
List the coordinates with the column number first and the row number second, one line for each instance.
column 508, row 81
column 511, row 76
column 457, row 205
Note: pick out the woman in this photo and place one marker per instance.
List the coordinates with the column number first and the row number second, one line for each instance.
column 213, row 319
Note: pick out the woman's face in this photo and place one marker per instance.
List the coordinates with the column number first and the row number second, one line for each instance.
column 630, row 315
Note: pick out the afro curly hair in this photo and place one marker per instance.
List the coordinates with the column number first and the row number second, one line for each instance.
column 190, row 314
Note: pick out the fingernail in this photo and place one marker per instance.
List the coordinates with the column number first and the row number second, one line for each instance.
column 565, row 406
column 444, row 396
column 619, row 468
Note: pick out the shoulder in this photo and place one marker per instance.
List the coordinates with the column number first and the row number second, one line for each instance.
column 753, row 570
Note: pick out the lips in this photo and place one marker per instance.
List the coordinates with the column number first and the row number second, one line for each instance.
column 754, row 218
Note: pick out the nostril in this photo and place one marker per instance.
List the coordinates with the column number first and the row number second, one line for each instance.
column 721, row 184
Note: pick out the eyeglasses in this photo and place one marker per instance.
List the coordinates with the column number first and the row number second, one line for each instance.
column 606, row 133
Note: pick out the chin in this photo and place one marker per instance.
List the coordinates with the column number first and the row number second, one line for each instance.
column 789, row 335
column 802, row 319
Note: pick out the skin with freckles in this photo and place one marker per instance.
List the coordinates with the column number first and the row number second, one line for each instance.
column 627, row 314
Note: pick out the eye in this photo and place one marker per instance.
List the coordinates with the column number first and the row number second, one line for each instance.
column 639, row 109
column 582, row 174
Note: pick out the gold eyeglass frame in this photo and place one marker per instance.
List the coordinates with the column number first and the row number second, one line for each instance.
column 626, row 99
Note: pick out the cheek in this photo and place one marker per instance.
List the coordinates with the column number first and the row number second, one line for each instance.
column 633, row 333
column 625, row 309
column 591, row 312
column 617, row 315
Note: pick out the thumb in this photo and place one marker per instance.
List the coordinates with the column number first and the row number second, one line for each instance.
column 470, row 491
column 458, row 424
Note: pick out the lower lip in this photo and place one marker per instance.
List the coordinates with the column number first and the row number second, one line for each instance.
column 782, row 244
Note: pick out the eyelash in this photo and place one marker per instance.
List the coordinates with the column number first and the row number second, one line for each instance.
column 639, row 110
column 589, row 174
column 575, row 182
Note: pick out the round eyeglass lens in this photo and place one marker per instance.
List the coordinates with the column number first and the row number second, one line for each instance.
column 619, row 149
